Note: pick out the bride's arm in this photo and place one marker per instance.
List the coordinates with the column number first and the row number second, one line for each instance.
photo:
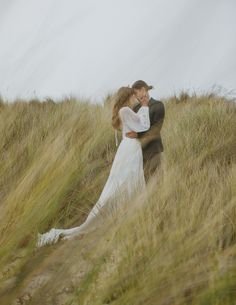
column 139, row 121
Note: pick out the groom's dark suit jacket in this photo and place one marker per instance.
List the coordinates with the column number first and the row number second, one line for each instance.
column 151, row 139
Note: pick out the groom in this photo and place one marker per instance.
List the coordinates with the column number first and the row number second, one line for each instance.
column 151, row 141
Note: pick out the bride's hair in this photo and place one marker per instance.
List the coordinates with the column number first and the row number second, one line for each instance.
column 121, row 99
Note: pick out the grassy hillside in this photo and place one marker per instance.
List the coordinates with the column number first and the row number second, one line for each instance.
column 177, row 248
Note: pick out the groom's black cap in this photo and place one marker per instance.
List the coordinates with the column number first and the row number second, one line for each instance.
column 140, row 84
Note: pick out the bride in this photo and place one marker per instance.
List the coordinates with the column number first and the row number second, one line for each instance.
column 126, row 174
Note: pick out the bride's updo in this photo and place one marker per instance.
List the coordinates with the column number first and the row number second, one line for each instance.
column 121, row 99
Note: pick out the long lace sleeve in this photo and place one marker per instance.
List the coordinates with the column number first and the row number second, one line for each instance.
column 137, row 122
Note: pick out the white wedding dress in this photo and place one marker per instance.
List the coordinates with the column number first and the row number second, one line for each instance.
column 126, row 174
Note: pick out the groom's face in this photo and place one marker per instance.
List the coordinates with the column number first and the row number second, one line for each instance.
column 140, row 93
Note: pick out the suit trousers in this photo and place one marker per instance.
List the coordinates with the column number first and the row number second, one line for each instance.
column 151, row 163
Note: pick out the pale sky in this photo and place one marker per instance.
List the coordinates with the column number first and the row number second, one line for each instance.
column 89, row 48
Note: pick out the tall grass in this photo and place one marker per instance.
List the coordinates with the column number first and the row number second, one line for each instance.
column 177, row 248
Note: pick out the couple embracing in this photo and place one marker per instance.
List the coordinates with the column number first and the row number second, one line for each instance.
column 138, row 157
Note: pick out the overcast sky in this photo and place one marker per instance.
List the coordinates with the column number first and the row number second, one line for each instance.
column 89, row 48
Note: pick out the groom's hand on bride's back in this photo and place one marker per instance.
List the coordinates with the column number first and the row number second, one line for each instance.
column 131, row 134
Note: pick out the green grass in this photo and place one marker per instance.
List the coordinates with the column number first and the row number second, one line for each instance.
column 177, row 248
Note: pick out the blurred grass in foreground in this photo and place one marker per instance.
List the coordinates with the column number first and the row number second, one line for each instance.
column 179, row 248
